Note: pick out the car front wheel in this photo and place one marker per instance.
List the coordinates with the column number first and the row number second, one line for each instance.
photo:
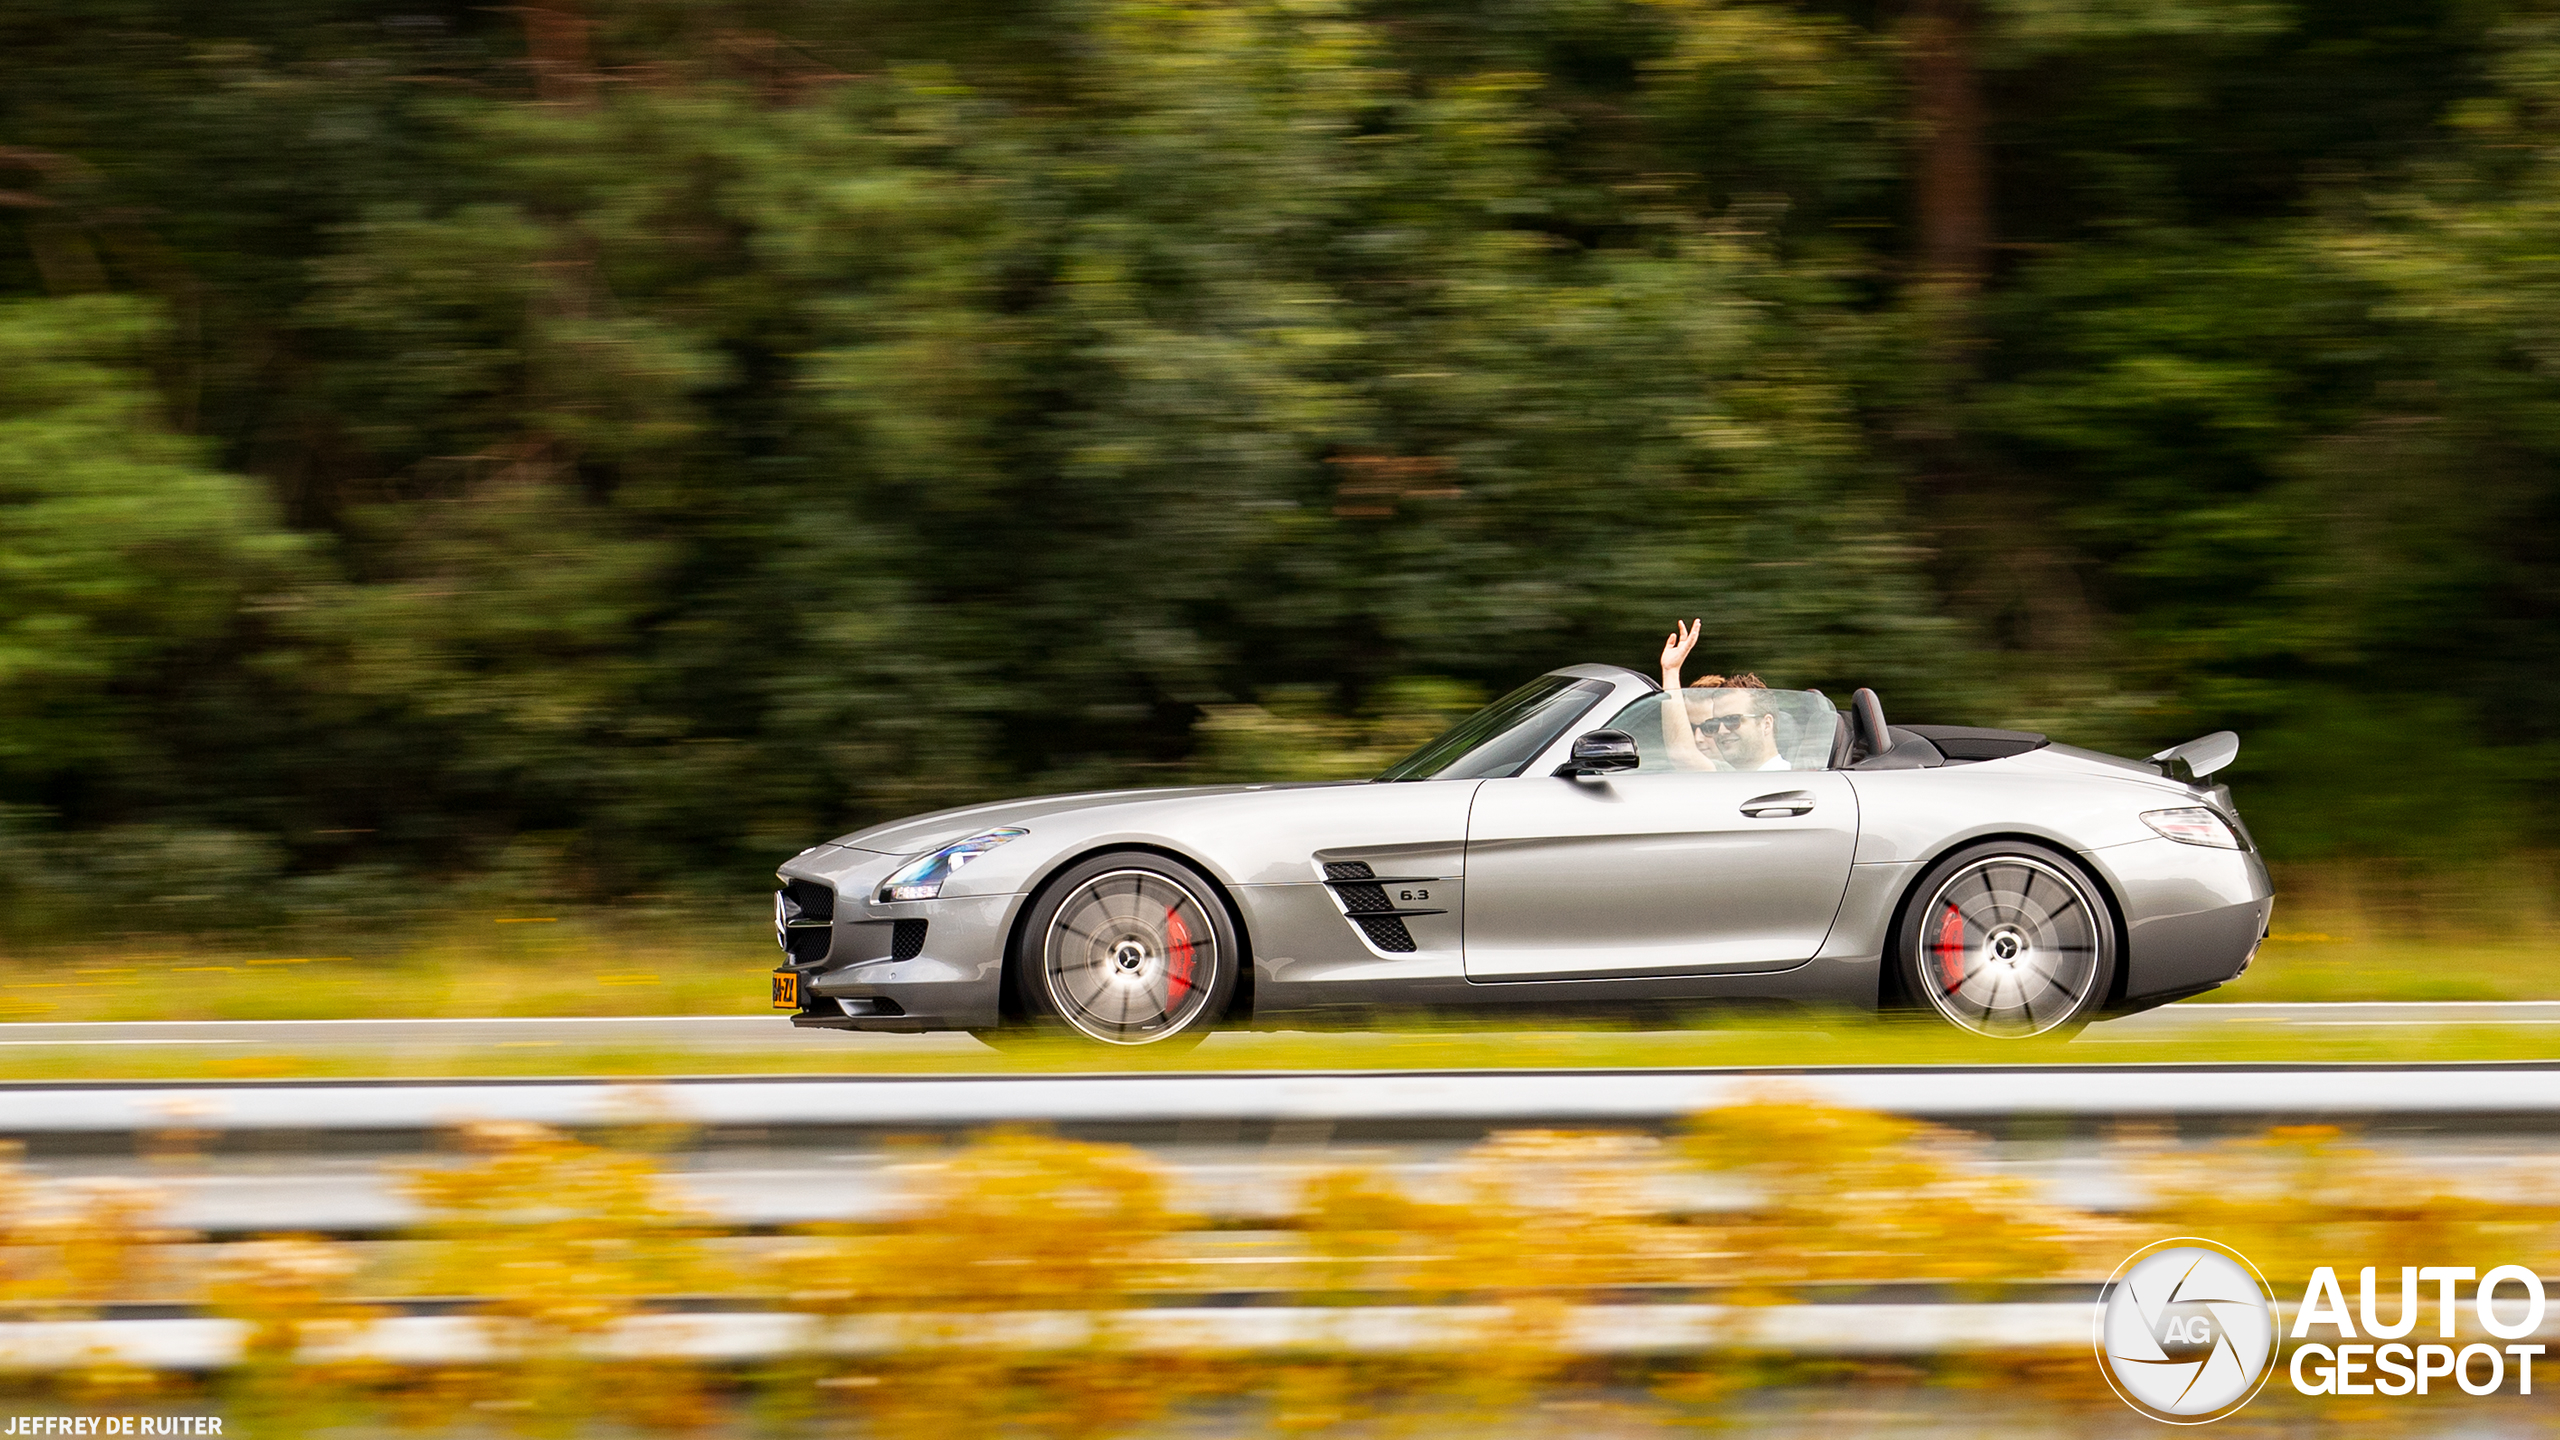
column 2008, row 940
column 1129, row 948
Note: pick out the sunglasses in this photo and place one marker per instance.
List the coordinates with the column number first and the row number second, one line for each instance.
column 1720, row 724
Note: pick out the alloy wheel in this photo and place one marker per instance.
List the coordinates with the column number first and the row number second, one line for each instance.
column 2011, row 946
column 1130, row 957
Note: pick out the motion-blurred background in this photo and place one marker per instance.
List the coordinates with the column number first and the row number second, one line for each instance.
column 480, row 484
column 462, row 458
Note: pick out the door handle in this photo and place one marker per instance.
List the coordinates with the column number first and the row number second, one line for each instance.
column 1789, row 803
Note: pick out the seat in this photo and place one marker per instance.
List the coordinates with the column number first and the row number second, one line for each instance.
column 1911, row 751
column 1876, row 745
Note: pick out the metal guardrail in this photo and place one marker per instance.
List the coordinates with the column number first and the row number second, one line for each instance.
column 1401, row 1097
column 1854, row 1329
column 1233, row 1194
column 201, row 1344
column 1857, row 1328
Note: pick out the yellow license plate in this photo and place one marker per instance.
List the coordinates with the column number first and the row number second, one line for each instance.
column 786, row 990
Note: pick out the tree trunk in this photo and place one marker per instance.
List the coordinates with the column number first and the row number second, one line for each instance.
column 1952, row 190
column 1998, row 560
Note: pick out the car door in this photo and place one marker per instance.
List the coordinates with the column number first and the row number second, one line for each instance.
column 1670, row 872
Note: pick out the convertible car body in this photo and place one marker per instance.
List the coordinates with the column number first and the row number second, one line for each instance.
column 1585, row 844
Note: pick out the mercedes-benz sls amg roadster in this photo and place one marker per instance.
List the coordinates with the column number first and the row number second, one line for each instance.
column 1587, row 844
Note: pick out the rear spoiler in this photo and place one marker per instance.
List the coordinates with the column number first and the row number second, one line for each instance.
column 2199, row 757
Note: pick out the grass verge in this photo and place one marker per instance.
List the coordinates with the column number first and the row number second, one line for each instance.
column 2340, row 935
column 1848, row 1042
column 518, row 963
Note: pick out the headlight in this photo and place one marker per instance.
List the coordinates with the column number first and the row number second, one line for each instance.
column 2193, row 825
column 922, row 878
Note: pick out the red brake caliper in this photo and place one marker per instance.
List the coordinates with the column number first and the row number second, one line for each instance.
column 1178, row 952
column 1950, row 947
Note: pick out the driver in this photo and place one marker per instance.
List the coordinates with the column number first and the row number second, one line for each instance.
column 1744, row 727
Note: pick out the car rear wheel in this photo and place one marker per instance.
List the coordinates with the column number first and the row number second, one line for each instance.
column 2008, row 940
column 1129, row 948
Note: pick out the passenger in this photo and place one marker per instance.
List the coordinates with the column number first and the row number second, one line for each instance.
column 1693, row 735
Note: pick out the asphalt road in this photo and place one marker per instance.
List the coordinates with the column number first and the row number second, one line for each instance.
column 744, row 1032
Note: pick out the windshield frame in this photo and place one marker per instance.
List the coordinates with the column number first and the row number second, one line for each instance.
column 1542, row 709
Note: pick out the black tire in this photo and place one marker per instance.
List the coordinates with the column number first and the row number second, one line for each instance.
column 2008, row 939
column 1011, row 1039
column 1127, row 948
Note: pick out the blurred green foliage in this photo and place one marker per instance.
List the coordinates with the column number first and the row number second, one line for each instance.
column 612, row 445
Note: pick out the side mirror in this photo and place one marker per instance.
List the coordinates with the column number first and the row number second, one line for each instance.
column 2199, row 757
column 1601, row 752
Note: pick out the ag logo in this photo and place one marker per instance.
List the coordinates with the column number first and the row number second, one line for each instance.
column 2186, row 1331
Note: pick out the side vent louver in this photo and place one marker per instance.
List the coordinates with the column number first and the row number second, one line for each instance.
column 1387, row 933
column 1363, row 893
column 1365, row 899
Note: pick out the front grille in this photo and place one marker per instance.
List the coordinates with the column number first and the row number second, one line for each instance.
column 1348, row 870
column 906, row 939
column 814, row 901
column 1387, row 933
column 1364, row 899
column 804, row 915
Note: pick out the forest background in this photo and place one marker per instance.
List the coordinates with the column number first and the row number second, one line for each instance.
column 454, row 453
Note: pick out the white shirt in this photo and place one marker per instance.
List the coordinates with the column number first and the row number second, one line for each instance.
column 1774, row 762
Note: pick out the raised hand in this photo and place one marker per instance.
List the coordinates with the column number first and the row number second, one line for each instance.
column 1675, row 649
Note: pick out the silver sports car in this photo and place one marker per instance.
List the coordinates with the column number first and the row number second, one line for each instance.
column 1585, row 844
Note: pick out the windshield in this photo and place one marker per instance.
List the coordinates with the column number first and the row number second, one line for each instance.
column 1731, row 730
column 1498, row 741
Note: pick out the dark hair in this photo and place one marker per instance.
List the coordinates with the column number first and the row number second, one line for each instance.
column 1755, row 700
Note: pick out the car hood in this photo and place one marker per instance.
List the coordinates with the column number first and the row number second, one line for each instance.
column 920, row 833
